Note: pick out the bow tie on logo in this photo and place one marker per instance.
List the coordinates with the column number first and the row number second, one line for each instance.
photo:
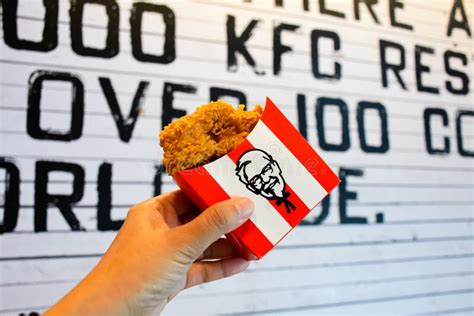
column 284, row 200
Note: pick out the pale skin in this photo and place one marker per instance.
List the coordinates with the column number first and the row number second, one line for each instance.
column 163, row 247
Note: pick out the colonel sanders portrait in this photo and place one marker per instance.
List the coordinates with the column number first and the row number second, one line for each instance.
column 262, row 175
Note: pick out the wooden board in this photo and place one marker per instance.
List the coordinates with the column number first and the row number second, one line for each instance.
column 413, row 254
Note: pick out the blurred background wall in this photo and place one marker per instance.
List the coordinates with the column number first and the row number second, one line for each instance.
column 381, row 89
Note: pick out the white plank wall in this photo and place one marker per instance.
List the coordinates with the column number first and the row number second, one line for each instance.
column 418, row 260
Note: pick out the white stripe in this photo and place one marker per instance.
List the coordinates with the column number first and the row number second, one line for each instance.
column 295, row 174
column 265, row 217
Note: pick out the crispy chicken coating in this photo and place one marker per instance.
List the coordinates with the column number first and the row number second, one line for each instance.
column 212, row 131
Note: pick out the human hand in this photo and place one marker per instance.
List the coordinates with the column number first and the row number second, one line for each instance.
column 161, row 249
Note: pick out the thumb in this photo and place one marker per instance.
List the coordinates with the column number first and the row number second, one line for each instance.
column 210, row 225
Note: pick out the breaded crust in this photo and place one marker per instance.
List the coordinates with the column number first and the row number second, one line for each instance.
column 212, row 131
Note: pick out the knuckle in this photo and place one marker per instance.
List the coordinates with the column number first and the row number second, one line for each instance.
column 133, row 210
column 153, row 204
column 186, row 252
column 217, row 218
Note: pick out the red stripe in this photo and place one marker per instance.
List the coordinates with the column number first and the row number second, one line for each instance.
column 238, row 151
column 200, row 187
column 204, row 191
column 252, row 238
column 292, row 139
column 295, row 216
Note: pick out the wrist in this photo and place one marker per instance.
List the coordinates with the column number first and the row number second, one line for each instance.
column 98, row 293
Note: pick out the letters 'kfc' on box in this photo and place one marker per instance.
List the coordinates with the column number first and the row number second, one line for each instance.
column 276, row 168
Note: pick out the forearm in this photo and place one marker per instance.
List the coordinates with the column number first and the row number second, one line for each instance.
column 99, row 293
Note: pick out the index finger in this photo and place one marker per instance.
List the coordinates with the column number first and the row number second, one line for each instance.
column 208, row 271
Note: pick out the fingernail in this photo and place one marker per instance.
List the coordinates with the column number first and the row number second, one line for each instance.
column 245, row 207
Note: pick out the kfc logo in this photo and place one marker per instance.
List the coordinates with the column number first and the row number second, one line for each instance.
column 262, row 175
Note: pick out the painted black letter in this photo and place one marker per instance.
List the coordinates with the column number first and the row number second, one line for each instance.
column 322, row 216
column 463, row 151
column 385, row 65
column 453, row 23
column 76, row 13
column 125, row 127
column 50, row 28
column 62, row 201
column 427, row 114
column 169, row 112
column 169, row 47
column 345, row 195
column 217, row 93
column 104, row 205
column 321, row 105
column 237, row 44
column 278, row 48
column 157, row 179
column 35, row 85
column 324, row 10
column 420, row 69
column 279, row 3
column 369, row 4
column 301, row 105
column 11, row 195
column 384, row 143
column 464, row 89
column 315, row 36
column 393, row 5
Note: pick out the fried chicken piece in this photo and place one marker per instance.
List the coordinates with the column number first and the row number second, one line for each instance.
column 212, row 131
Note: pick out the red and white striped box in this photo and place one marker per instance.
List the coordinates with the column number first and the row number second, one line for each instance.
column 276, row 168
